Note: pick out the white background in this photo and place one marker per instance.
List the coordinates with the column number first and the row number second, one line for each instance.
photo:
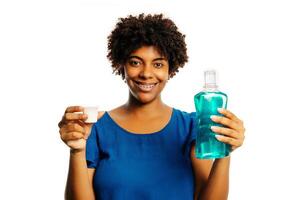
column 53, row 55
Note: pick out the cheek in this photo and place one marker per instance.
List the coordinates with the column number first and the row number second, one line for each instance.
column 131, row 72
column 163, row 76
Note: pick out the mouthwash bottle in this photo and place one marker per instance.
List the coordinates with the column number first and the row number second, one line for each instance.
column 207, row 102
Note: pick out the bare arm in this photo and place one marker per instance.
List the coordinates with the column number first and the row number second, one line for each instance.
column 74, row 132
column 211, row 178
column 217, row 186
column 201, row 170
column 80, row 178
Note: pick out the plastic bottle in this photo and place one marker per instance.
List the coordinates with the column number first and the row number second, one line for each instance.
column 207, row 102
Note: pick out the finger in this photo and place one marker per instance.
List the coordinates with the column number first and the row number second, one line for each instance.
column 61, row 123
column 71, row 116
column 72, row 109
column 225, row 131
column 75, row 116
column 228, row 140
column 74, row 127
column 79, row 122
column 225, row 121
column 67, row 136
column 229, row 114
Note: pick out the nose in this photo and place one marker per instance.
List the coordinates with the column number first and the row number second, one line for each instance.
column 146, row 72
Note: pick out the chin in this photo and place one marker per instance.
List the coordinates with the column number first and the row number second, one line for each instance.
column 144, row 98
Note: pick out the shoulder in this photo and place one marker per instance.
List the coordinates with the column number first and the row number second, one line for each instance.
column 100, row 119
column 185, row 119
column 114, row 111
column 185, row 115
column 100, row 114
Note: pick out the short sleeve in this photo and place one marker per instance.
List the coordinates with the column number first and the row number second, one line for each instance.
column 192, row 135
column 92, row 148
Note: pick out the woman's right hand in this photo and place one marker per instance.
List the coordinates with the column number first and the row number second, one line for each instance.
column 73, row 131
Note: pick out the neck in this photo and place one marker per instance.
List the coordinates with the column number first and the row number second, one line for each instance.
column 140, row 109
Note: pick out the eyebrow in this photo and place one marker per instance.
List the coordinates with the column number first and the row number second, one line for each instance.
column 160, row 58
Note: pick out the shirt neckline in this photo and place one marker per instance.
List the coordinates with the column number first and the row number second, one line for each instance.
column 142, row 134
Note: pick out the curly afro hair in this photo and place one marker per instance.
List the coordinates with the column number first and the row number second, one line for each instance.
column 134, row 32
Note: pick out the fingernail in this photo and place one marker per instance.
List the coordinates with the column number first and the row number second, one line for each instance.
column 214, row 117
column 214, row 128
column 218, row 136
column 220, row 109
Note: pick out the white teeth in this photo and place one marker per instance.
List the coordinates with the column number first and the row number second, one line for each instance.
column 146, row 87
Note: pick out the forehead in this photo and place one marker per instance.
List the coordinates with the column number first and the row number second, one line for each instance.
column 147, row 52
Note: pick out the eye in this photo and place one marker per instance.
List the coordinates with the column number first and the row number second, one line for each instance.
column 134, row 63
column 158, row 65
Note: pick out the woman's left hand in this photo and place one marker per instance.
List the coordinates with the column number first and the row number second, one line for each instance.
column 234, row 131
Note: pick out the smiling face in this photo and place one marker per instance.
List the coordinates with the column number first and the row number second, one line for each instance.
column 146, row 73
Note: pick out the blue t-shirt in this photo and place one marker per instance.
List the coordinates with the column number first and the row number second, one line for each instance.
column 133, row 166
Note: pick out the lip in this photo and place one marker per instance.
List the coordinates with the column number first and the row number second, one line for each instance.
column 144, row 83
column 146, row 87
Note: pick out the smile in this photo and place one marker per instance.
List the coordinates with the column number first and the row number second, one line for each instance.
column 146, row 87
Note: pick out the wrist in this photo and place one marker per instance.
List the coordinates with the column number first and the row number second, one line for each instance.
column 224, row 159
column 77, row 151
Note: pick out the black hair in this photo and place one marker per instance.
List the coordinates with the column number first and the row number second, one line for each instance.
column 134, row 32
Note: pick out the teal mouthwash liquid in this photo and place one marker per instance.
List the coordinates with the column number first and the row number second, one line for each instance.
column 207, row 102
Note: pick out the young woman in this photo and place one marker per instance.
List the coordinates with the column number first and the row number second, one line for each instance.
column 144, row 149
